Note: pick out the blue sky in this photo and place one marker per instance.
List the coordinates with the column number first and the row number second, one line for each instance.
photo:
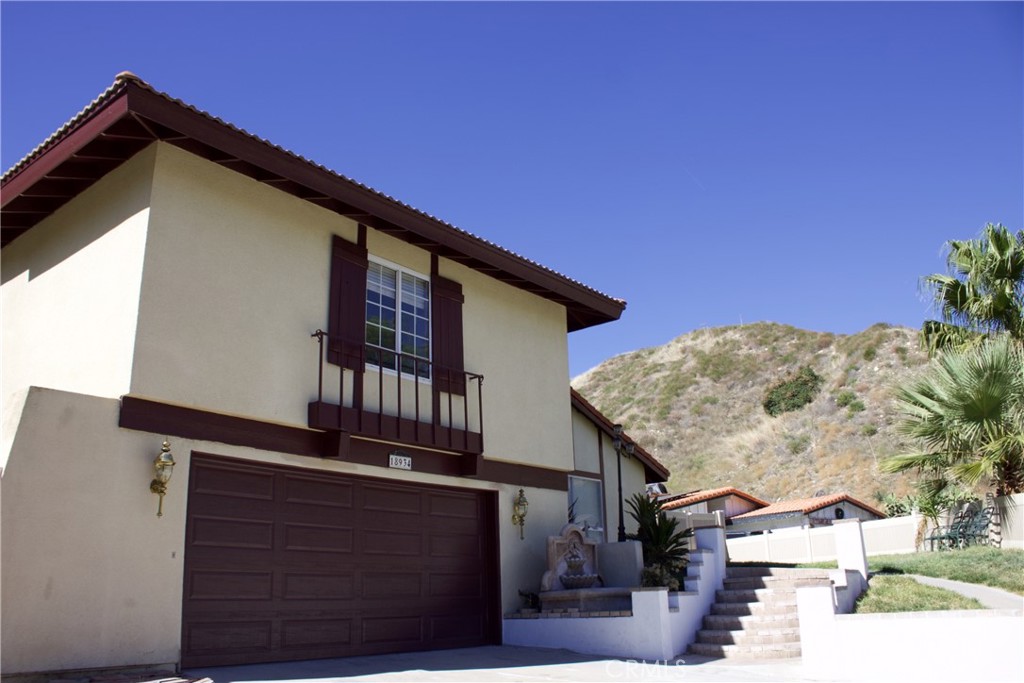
column 711, row 163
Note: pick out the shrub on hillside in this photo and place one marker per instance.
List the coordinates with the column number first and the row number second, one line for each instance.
column 793, row 393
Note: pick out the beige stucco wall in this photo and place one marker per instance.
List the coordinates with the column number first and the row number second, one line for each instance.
column 91, row 577
column 70, row 292
column 585, row 435
column 87, row 563
column 236, row 279
column 632, row 482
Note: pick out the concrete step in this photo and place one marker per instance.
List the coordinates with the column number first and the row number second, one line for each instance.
column 754, row 608
column 771, row 636
column 779, row 651
column 751, row 622
column 742, row 571
column 777, row 582
column 776, row 595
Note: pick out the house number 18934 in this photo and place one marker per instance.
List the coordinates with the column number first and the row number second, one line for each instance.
column 400, row 461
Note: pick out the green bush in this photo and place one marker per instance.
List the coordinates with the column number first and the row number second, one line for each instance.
column 845, row 398
column 793, row 393
column 798, row 444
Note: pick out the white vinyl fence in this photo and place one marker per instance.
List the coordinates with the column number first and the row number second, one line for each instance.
column 881, row 537
column 1011, row 521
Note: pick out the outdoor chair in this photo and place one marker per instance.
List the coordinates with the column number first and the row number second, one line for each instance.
column 948, row 537
column 975, row 532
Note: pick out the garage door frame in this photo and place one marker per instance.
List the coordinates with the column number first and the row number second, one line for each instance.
column 252, row 563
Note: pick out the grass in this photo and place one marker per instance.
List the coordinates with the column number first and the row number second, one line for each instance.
column 892, row 593
column 986, row 566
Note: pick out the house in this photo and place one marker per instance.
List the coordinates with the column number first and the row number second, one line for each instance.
column 356, row 396
column 804, row 512
column 727, row 499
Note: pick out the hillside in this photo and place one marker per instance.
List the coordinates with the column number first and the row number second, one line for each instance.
column 696, row 404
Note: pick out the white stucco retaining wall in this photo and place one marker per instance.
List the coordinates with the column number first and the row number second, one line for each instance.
column 968, row 645
column 662, row 624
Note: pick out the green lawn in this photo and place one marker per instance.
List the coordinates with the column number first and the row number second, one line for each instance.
column 980, row 564
column 893, row 593
column 987, row 566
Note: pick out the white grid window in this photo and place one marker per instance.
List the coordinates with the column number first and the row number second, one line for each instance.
column 397, row 320
column 586, row 501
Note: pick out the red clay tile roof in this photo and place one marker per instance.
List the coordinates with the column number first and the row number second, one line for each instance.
column 654, row 470
column 131, row 114
column 709, row 494
column 807, row 505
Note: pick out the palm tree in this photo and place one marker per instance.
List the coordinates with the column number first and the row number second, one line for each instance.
column 982, row 295
column 967, row 413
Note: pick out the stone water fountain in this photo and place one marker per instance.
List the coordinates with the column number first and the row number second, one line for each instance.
column 573, row 579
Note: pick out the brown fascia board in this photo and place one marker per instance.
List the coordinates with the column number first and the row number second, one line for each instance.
column 585, row 307
column 64, row 149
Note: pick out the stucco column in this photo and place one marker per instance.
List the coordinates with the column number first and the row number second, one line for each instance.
column 850, row 553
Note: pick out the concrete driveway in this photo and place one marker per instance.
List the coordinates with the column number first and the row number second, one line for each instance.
column 507, row 663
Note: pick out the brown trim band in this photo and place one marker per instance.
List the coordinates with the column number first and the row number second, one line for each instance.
column 194, row 423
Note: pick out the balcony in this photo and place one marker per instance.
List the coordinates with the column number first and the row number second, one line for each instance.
column 399, row 398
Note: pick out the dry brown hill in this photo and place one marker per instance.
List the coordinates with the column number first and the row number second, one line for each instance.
column 696, row 404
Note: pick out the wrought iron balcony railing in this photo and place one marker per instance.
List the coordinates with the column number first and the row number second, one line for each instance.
column 399, row 398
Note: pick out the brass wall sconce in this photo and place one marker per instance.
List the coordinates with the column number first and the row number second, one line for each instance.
column 519, row 508
column 164, row 467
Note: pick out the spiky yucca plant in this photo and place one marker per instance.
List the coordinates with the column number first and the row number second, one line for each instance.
column 664, row 546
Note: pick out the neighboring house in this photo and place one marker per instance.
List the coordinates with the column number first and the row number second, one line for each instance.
column 728, row 500
column 804, row 512
column 353, row 391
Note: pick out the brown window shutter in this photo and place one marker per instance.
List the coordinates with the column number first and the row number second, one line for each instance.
column 347, row 314
column 448, row 363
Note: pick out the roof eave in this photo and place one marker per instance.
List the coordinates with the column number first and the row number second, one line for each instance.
column 174, row 122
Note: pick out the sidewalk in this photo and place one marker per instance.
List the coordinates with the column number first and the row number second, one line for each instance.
column 991, row 598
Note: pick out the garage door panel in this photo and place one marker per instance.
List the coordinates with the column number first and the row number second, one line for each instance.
column 231, row 482
column 381, row 542
column 397, row 630
column 332, row 565
column 308, row 586
column 391, row 499
column 231, row 637
column 318, row 538
column 230, row 585
column 316, row 633
column 462, row 585
column 452, row 546
column 464, row 507
column 391, row 585
column 225, row 532
column 301, row 490
column 457, row 628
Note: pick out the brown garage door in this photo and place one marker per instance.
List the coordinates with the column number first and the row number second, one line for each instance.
column 286, row 563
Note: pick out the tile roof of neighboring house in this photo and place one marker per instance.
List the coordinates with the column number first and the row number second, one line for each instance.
column 130, row 115
column 710, row 494
column 807, row 505
column 654, row 470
